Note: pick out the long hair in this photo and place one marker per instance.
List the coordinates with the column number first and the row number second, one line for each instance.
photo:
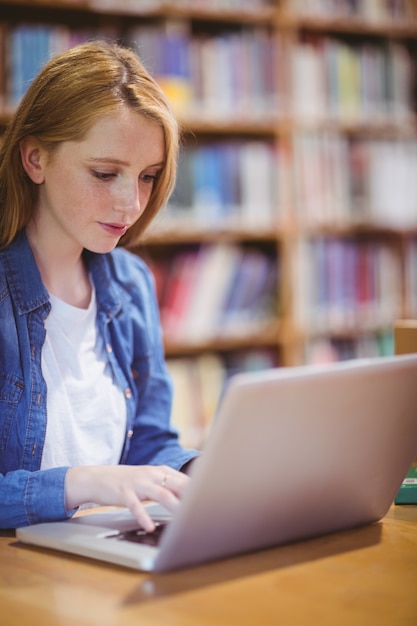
column 63, row 102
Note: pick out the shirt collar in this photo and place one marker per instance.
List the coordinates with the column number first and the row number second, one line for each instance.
column 23, row 276
column 30, row 293
column 109, row 293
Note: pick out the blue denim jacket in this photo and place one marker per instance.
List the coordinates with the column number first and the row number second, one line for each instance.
column 128, row 318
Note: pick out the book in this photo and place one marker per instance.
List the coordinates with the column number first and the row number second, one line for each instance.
column 347, row 284
column 352, row 82
column 208, row 200
column 307, row 79
column 392, row 184
column 371, row 10
column 198, row 385
column 210, row 376
column 407, row 493
column 343, row 181
column 332, row 349
column 405, row 336
column 185, row 412
column 259, row 181
column 179, row 284
column 216, row 266
column 215, row 76
column 29, row 46
column 215, row 290
column 163, row 47
column 223, row 184
column 410, row 277
column 253, row 293
column 349, row 83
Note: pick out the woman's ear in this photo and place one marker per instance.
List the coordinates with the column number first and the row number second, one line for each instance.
column 31, row 155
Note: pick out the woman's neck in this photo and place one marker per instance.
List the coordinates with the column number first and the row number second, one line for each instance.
column 63, row 273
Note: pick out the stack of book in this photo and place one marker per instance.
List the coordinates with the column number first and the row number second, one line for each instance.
column 410, row 270
column 343, row 180
column 216, row 290
column 137, row 6
column 228, row 184
column 332, row 349
column 361, row 82
column 364, row 10
column 344, row 284
column 199, row 383
column 29, row 46
column 227, row 74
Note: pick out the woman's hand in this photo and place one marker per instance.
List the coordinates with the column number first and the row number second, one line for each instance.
column 126, row 485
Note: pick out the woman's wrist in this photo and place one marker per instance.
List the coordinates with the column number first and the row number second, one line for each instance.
column 78, row 486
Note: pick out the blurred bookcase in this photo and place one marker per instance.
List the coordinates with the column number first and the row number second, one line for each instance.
column 291, row 236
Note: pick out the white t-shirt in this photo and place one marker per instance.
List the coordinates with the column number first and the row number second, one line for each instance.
column 86, row 411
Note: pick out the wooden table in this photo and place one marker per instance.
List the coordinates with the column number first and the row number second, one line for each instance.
column 361, row 577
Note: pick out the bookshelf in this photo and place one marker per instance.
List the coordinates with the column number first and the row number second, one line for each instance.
column 299, row 156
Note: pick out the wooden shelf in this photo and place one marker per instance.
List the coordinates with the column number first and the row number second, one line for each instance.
column 267, row 334
column 284, row 333
column 179, row 235
column 359, row 229
column 260, row 15
column 355, row 26
column 230, row 126
column 270, row 16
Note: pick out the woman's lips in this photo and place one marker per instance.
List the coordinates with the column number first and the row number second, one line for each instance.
column 114, row 229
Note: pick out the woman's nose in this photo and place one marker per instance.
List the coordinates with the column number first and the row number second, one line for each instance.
column 127, row 199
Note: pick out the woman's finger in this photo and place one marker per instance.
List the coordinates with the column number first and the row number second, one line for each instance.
column 174, row 481
column 137, row 509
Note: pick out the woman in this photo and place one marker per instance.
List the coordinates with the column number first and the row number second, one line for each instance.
column 86, row 162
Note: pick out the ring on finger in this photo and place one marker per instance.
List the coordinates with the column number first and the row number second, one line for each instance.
column 164, row 480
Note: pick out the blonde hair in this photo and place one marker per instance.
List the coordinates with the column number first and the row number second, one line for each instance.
column 64, row 101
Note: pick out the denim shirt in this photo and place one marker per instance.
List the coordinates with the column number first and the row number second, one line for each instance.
column 128, row 318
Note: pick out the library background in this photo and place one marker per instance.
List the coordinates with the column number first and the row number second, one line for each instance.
column 291, row 236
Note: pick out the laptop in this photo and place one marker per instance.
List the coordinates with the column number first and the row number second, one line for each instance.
column 293, row 453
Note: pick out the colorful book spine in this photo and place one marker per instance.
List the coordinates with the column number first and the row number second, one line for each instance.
column 352, row 82
column 222, row 184
column 198, row 384
column 230, row 74
column 346, row 181
column 410, row 270
column 29, row 46
column 219, row 290
column 332, row 349
column 347, row 285
column 369, row 10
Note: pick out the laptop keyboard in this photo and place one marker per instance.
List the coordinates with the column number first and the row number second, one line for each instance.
column 138, row 535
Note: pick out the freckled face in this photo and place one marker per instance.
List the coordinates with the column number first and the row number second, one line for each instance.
column 95, row 189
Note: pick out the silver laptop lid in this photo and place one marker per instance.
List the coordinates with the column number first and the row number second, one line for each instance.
column 298, row 452
column 293, row 453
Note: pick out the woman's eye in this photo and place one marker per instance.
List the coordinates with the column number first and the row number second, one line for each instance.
column 103, row 175
column 150, row 178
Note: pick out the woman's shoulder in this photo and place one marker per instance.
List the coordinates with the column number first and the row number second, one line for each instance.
column 123, row 268
column 19, row 270
column 128, row 263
